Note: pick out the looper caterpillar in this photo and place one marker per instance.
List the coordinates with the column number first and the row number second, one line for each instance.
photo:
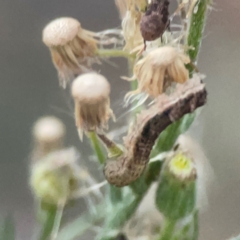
column 126, row 168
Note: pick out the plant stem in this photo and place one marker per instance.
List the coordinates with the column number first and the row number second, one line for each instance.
column 97, row 147
column 112, row 53
column 57, row 221
column 131, row 62
column 119, row 216
column 112, row 147
column 195, row 225
column 48, row 225
column 196, row 29
column 78, row 226
column 168, row 230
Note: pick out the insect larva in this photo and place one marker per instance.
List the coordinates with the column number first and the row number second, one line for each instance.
column 150, row 123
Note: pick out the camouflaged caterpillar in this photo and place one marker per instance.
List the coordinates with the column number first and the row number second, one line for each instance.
column 149, row 124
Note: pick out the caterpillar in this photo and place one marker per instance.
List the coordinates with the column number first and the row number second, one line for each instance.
column 126, row 168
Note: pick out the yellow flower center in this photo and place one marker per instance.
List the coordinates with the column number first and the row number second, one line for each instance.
column 180, row 165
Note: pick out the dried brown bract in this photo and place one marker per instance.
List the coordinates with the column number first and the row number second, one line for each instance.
column 72, row 48
column 155, row 20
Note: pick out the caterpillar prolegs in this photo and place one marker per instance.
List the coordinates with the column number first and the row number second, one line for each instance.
column 126, row 168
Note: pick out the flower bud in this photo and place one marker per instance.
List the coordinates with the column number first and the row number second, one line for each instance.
column 48, row 133
column 176, row 193
column 159, row 69
column 72, row 48
column 54, row 178
column 92, row 105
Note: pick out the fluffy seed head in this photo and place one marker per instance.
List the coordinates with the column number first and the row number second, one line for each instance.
column 158, row 69
column 48, row 133
column 72, row 48
column 60, row 31
column 92, row 106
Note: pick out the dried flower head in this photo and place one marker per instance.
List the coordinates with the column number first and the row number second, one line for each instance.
column 48, row 133
column 159, row 69
column 54, row 178
column 92, row 105
column 72, row 47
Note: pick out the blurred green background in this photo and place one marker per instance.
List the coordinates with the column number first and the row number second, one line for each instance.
column 29, row 89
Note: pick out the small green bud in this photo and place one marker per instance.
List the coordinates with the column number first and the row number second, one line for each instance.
column 53, row 179
column 176, row 193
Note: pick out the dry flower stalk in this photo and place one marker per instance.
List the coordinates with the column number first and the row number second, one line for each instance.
column 158, row 70
column 72, row 48
column 92, row 105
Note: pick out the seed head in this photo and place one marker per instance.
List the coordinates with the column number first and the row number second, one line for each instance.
column 54, row 178
column 92, row 105
column 48, row 133
column 159, row 69
column 72, row 48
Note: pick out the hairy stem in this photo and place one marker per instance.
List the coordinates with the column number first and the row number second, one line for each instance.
column 57, row 221
column 196, row 30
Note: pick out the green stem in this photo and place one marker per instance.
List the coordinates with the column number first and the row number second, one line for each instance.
column 195, row 225
column 120, row 215
column 196, row 30
column 48, row 225
column 113, row 149
column 112, row 53
column 78, row 226
column 57, row 221
column 115, row 194
column 131, row 62
column 97, row 147
column 168, row 230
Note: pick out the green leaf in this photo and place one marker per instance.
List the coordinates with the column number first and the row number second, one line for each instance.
column 75, row 229
column 7, row 229
column 169, row 136
column 78, row 226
